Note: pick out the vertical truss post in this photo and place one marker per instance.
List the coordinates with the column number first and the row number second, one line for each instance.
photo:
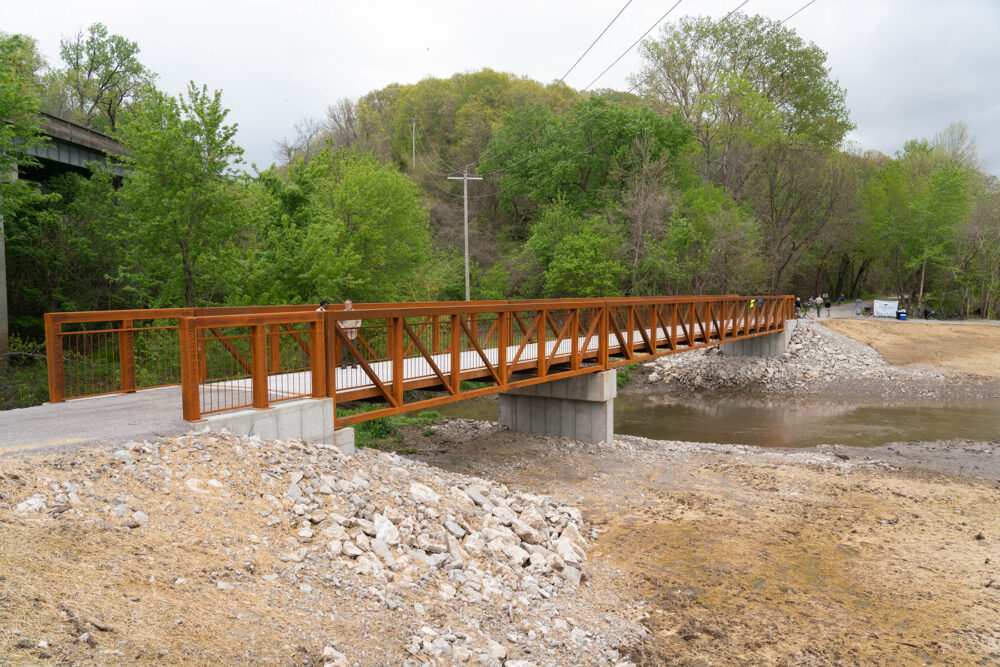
column 455, row 347
column 574, row 330
column 503, row 340
column 54, row 359
column 435, row 334
column 258, row 365
column 190, row 369
column 126, row 356
column 396, row 355
column 317, row 359
column 630, row 337
column 602, row 343
column 540, row 343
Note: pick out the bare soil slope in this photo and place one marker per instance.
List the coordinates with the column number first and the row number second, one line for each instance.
column 966, row 348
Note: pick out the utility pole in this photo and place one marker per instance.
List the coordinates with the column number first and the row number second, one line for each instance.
column 465, row 178
column 4, row 321
column 413, row 142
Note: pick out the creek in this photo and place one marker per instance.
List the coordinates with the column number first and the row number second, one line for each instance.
column 771, row 422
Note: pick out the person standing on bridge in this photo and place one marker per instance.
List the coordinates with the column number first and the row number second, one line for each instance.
column 350, row 329
column 857, row 304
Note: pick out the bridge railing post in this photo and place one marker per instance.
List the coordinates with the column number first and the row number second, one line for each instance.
column 190, row 365
column 258, row 366
column 317, row 359
column 126, row 356
column 503, row 340
column 602, row 343
column 396, row 355
column 54, row 359
column 540, row 356
column 455, row 348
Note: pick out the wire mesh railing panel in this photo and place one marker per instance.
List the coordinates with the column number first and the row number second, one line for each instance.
column 156, row 351
column 288, row 365
column 226, row 362
column 91, row 362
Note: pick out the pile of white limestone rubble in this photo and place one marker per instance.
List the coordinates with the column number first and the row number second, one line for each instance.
column 815, row 356
column 465, row 569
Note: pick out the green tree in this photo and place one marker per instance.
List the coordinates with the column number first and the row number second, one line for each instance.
column 697, row 64
column 20, row 128
column 19, row 131
column 579, row 155
column 102, row 78
column 915, row 206
column 345, row 226
column 180, row 200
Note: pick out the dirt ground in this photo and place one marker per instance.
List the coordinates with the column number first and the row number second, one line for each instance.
column 745, row 556
column 967, row 348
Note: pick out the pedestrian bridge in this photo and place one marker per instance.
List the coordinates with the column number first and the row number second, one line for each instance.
column 235, row 364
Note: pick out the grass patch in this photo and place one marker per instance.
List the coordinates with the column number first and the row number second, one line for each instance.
column 625, row 375
column 382, row 432
column 23, row 375
column 470, row 385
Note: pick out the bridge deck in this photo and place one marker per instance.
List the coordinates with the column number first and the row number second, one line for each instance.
column 417, row 371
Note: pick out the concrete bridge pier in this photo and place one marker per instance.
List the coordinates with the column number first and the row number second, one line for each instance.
column 771, row 345
column 580, row 407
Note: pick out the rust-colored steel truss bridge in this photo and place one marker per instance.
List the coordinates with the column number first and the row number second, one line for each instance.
column 230, row 358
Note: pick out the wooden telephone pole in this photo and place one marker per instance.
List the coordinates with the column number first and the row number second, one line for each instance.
column 465, row 178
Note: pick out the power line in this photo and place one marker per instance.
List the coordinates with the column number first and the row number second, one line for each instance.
column 615, row 132
column 563, row 77
column 439, row 163
column 797, row 11
column 724, row 18
column 626, row 51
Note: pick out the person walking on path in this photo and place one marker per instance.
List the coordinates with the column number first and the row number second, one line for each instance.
column 828, row 306
column 350, row 329
column 857, row 303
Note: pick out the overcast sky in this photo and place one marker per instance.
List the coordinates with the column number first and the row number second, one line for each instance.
column 910, row 68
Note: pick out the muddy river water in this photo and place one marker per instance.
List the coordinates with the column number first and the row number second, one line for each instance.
column 781, row 423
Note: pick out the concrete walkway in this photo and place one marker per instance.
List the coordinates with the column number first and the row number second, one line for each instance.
column 101, row 420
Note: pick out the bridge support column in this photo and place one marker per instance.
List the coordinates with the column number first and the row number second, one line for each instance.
column 581, row 407
column 771, row 345
column 308, row 418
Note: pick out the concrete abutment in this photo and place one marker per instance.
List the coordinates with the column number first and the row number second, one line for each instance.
column 770, row 345
column 581, row 407
column 307, row 418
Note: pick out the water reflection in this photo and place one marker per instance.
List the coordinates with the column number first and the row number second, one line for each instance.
column 771, row 422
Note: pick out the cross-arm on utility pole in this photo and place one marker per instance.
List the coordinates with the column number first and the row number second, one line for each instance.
column 465, row 178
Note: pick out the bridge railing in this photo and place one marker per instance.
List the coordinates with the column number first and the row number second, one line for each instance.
column 120, row 351
column 232, row 358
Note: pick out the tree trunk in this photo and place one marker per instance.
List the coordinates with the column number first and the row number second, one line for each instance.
column 920, row 294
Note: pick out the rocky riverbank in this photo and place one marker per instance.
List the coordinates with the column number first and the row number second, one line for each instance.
column 817, row 361
column 207, row 549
